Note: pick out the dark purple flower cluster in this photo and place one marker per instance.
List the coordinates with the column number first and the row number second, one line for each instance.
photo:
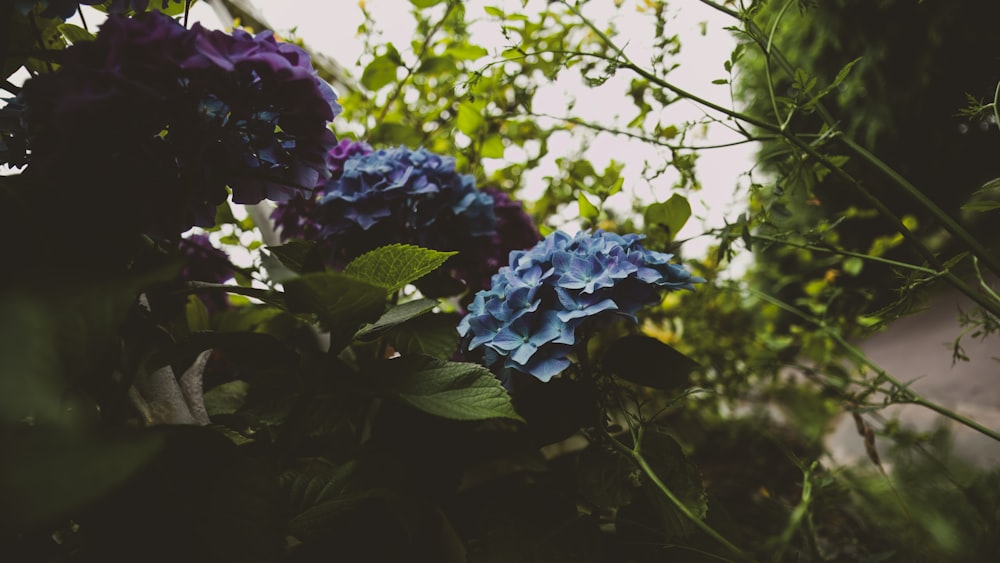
column 529, row 319
column 160, row 119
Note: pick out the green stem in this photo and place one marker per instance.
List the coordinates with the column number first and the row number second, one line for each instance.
column 636, row 454
column 840, row 252
column 623, row 61
column 939, row 214
column 860, row 357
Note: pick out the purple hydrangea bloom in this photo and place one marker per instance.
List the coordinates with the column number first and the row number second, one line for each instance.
column 163, row 119
column 529, row 318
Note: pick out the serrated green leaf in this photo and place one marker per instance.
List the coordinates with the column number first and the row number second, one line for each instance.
column 429, row 335
column 397, row 316
column 393, row 267
column 665, row 456
column 342, row 302
column 314, row 484
column 647, row 361
column 671, row 214
column 453, row 390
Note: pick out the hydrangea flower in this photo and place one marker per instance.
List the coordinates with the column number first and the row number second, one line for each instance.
column 530, row 318
column 298, row 218
column 164, row 118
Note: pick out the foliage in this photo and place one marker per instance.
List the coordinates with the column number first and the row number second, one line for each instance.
column 361, row 391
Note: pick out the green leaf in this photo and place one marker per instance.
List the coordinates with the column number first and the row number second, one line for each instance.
column 396, row 265
column 466, row 52
column 647, row 361
column 605, row 476
column 437, row 65
column 981, row 206
column 342, row 302
column 298, row 256
column 393, row 133
column 453, row 390
column 397, row 316
column 493, row 11
column 671, row 214
column 421, row 4
column 314, row 484
column 492, row 147
column 587, row 209
column 429, row 335
column 47, row 473
column 319, row 519
column 381, row 71
column 226, row 398
column 470, row 118
column 681, row 476
column 75, row 33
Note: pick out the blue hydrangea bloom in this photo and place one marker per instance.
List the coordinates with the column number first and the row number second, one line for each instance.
column 401, row 195
column 530, row 318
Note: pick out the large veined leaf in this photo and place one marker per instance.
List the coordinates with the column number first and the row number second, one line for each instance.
column 429, row 335
column 340, row 301
column 454, row 390
column 397, row 316
column 396, row 265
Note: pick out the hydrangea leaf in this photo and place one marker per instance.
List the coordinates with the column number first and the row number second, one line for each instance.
column 397, row 316
column 342, row 303
column 396, row 265
column 429, row 335
column 647, row 361
column 298, row 256
column 453, row 390
column 605, row 476
column 318, row 482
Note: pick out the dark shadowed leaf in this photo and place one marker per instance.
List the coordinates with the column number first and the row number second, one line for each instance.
column 397, row 316
column 647, row 361
column 429, row 335
column 46, row 473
